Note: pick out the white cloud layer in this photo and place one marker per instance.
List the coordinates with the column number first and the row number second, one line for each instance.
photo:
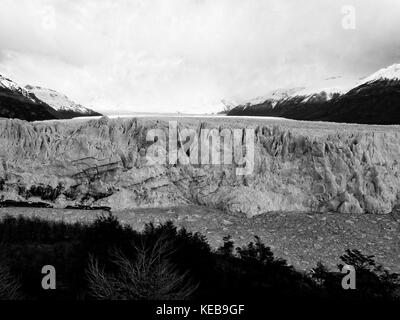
column 186, row 55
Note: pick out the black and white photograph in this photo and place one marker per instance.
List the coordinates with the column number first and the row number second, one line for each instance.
column 200, row 159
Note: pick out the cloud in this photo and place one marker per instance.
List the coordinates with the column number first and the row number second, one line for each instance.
column 158, row 55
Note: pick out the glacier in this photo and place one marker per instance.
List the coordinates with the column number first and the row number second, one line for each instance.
column 299, row 166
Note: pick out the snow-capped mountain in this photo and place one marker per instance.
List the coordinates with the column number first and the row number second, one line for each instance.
column 372, row 100
column 60, row 102
column 323, row 91
column 390, row 73
column 16, row 102
column 327, row 89
column 272, row 103
column 274, row 96
column 6, row 83
column 34, row 103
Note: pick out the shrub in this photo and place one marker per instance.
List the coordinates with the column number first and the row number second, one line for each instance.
column 227, row 248
column 373, row 281
column 320, row 273
column 258, row 252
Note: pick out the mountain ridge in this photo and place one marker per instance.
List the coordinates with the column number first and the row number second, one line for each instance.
column 373, row 100
column 16, row 102
column 25, row 104
column 60, row 102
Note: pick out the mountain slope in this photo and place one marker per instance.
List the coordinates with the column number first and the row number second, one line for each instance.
column 16, row 102
column 374, row 100
column 33, row 103
column 390, row 73
column 65, row 107
column 301, row 105
column 296, row 103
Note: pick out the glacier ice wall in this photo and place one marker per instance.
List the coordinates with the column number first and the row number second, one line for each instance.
column 298, row 167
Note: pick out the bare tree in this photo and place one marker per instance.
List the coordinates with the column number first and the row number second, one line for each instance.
column 151, row 276
column 9, row 286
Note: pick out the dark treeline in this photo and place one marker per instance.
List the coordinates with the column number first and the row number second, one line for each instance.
column 109, row 260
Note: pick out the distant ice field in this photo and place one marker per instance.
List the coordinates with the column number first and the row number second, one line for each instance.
column 300, row 126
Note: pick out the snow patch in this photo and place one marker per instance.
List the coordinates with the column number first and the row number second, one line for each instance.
column 57, row 100
column 14, row 87
column 390, row 73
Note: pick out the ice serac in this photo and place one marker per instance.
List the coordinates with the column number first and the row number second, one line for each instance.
column 297, row 166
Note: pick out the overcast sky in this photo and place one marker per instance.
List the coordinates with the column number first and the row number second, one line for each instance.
column 122, row 56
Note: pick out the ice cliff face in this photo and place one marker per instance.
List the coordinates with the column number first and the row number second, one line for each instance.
column 297, row 166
